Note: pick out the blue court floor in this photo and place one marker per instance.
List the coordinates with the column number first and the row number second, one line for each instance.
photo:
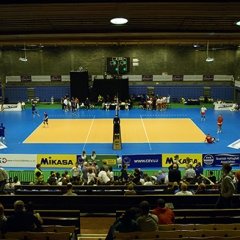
column 20, row 125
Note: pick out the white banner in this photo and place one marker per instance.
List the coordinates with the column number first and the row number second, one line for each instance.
column 12, row 107
column 18, row 160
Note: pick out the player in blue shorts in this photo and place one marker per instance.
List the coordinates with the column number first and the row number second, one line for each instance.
column 34, row 111
column 2, row 133
column 45, row 119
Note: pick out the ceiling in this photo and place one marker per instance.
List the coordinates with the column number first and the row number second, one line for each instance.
column 149, row 22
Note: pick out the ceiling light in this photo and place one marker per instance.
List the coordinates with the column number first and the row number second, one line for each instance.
column 22, row 59
column 118, row 21
column 209, row 59
column 238, row 23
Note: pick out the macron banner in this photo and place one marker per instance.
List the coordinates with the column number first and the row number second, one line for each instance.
column 142, row 161
column 216, row 160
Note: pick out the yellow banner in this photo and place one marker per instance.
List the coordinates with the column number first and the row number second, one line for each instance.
column 109, row 161
column 56, row 160
column 167, row 159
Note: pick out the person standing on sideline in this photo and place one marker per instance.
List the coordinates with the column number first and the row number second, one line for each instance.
column 3, row 179
column 45, row 119
column 227, row 187
column 34, row 111
column 219, row 123
column 203, row 113
column 2, row 133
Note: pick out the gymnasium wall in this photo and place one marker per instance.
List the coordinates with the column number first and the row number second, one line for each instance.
column 153, row 60
column 19, row 93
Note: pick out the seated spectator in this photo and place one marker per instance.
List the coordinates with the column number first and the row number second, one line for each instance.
column 130, row 191
column 21, row 220
column 165, row 215
column 14, row 183
column 170, row 189
column 237, row 184
column 147, row 222
column 125, row 223
column 184, row 191
column 52, row 179
column 30, row 209
column 148, row 182
column 69, row 190
column 201, row 189
column 161, row 177
column 2, row 216
column 136, row 176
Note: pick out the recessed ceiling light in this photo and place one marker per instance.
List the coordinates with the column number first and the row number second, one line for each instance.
column 238, row 23
column 118, row 21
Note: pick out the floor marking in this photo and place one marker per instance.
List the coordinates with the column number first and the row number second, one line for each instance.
column 150, row 147
column 88, row 133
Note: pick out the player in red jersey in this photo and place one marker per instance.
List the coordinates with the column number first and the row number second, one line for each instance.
column 210, row 139
column 219, row 123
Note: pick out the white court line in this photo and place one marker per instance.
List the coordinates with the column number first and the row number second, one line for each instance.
column 146, row 133
column 88, row 132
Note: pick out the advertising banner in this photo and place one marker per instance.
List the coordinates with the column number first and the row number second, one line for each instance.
column 18, row 160
column 168, row 159
column 147, row 77
column 56, row 160
column 208, row 77
column 110, row 160
column 177, row 77
column 56, row 78
column 216, row 160
column 142, row 161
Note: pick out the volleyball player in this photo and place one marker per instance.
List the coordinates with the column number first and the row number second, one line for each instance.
column 45, row 119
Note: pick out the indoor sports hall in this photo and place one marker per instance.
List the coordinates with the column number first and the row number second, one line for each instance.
column 175, row 130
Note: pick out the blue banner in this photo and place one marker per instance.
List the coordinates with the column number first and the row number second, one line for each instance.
column 142, row 161
column 216, row 160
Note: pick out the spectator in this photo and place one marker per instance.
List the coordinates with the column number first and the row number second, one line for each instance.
column 201, row 189
column 38, row 174
column 161, row 177
column 76, row 171
column 227, row 187
column 69, row 190
column 198, row 170
column 30, row 209
column 93, row 156
column 119, row 161
column 3, row 180
column 102, row 176
column 52, row 180
column 91, row 176
column 165, row 215
column 136, row 176
column 174, row 175
column 21, row 220
column 131, row 190
column 110, row 173
column 237, row 177
column 125, row 223
column 148, row 182
column 147, row 222
column 124, row 174
column 2, row 216
column 190, row 174
column 184, row 191
column 170, row 189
